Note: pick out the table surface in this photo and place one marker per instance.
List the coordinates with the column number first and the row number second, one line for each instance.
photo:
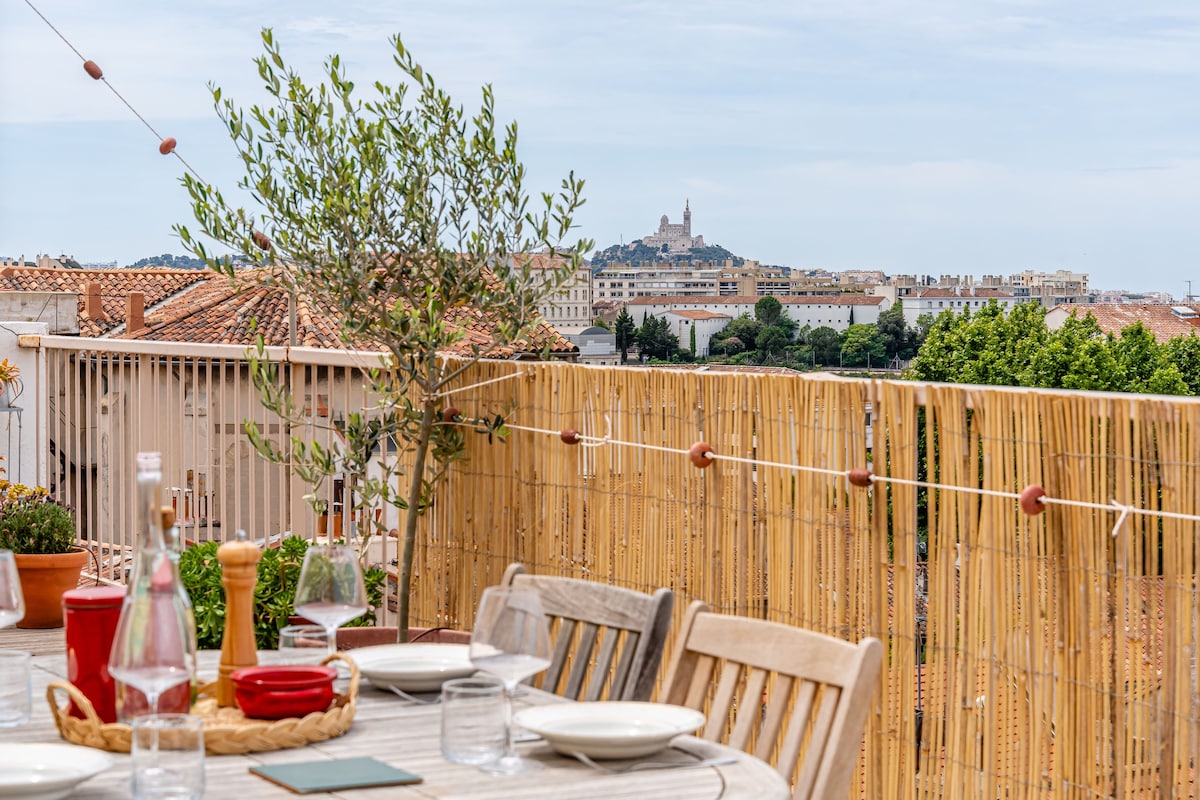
column 406, row 735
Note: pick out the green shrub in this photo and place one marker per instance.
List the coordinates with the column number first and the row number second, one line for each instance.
column 278, row 574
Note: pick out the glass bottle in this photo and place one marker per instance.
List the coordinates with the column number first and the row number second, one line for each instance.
column 154, row 650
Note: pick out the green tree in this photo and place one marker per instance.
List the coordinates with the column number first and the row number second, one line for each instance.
column 655, row 340
column 826, row 344
column 743, row 327
column 692, row 339
column 898, row 340
column 771, row 342
column 624, row 330
column 1184, row 353
column 407, row 219
column 768, row 310
column 1138, row 356
column 863, row 345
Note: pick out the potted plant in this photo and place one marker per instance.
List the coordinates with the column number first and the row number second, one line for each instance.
column 9, row 383
column 408, row 221
column 41, row 534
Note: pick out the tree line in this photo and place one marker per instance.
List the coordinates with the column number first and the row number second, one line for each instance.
column 771, row 337
column 1018, row 349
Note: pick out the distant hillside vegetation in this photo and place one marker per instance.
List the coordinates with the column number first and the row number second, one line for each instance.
column 635, row 252
column 168, row 260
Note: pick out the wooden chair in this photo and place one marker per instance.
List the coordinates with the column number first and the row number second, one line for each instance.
column 765, row 669
column 589, row 622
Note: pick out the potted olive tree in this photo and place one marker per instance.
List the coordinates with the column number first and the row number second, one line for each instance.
column 409, row 221
column 41, row 534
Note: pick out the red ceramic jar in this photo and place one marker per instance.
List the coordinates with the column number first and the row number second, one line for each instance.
column 90, row 616
column 291, row 690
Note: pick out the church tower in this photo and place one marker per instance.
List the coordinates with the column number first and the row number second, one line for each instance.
column 687, row 217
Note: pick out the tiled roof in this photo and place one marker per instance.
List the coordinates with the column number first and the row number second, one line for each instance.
column 712, row 300
column 1160, row 320
column 222, row 313
column 695, row 313
column 156, row 284
column 200, row 306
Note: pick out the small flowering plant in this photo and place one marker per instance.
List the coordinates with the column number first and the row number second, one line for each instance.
column 31, row 522
column 8, row 372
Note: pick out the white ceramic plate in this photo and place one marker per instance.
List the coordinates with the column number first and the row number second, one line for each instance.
column 415, row 667
column 47, row 771
column 609, row 729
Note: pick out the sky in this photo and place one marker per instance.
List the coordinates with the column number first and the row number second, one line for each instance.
column 926, row 137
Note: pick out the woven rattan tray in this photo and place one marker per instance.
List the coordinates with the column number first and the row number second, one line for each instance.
column 226, row 730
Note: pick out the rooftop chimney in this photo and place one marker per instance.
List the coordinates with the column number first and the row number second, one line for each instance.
column 135, row 312
column 92, row 309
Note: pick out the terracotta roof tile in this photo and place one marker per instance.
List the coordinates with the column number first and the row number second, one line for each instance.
column 222, row 313
column 1160, row 320
column 156, row 284
column 695, row 313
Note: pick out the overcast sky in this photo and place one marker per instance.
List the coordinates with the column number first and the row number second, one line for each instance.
column 912, row 136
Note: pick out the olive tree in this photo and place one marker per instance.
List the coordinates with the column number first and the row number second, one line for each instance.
column 407, row 220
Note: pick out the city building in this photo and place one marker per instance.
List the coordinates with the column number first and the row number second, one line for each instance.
column 959, row 299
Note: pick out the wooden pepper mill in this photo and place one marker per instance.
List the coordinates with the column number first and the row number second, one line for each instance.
column 239, row 574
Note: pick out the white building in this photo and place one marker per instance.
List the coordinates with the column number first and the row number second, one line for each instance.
column 834, row 311
column 935, row 301
column 705, row 323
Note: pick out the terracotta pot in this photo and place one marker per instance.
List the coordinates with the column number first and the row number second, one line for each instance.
column 44, row 578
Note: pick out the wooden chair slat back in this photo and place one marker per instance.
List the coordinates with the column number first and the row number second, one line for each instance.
column 608, row 640
column 795, row 698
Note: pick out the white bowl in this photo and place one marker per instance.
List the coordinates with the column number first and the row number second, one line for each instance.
column 416, row 667
column 47, row 771
column 609, row 729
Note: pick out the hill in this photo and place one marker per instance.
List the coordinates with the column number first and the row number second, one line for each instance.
column 637, row 253
column 168, row 260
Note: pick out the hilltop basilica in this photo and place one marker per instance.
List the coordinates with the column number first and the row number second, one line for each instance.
column 676, row 238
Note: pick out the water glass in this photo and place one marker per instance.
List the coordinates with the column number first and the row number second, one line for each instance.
column 167, row 754
column 15, row 690
column 303, row 644
column 473, row 720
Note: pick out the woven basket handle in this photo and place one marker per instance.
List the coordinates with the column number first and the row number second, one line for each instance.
column 352, row 692
column 75, row 696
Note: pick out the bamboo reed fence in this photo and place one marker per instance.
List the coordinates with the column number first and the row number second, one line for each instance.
column 1028, row 656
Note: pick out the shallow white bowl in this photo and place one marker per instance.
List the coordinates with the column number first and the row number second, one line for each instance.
column 609, row 729
column 416, row 667
column 47, row 771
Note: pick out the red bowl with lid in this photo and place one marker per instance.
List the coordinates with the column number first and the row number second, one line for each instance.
column 291, row 690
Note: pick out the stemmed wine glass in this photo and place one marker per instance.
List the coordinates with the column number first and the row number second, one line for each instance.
column 331, row 590
column 12, row 602
column 511, row 640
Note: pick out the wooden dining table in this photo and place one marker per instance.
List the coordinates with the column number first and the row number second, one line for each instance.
column 406, row 735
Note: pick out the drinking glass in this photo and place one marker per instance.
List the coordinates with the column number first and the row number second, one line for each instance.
column 330, row 590
column 303, row 644
column 167, row 756
column 12, row 602
column 511, row 640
